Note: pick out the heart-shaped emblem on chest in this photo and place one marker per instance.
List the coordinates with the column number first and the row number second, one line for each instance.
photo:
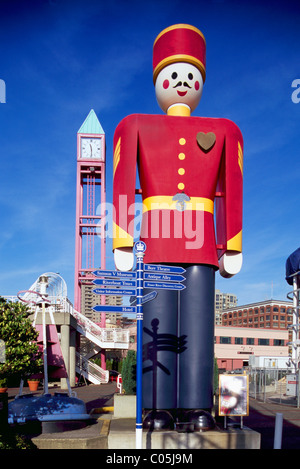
column 206, row 141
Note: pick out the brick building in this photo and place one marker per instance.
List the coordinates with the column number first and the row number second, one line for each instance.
column 270, row 314
column 234, row 345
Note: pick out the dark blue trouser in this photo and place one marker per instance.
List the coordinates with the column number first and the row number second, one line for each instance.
column 178, row 344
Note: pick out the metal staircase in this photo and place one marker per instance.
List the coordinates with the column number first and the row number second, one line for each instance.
column 89, row 370
column 104, row 338
column 97, row 338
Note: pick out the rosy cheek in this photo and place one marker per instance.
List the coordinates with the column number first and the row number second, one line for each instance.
column 166, row 84
column 197, row 85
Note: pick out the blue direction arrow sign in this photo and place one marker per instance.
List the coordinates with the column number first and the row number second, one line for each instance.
column 167, row 269
column 150, row 296
column 114, row 273
column 114, row 283
column 164, row 286
column 164, row 277
column 113, row 291
column 114, row 309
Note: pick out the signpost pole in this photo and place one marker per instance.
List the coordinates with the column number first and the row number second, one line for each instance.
column 165, row 277
column 139, row 252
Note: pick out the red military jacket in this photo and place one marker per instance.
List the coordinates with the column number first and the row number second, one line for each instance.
column 190, row 172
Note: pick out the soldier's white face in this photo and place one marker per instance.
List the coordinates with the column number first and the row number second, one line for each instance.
column 179, row 83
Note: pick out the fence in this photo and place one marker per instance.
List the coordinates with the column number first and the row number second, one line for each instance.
column 270, row 384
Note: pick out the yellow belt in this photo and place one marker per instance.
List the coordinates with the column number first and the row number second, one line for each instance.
column 160, row 202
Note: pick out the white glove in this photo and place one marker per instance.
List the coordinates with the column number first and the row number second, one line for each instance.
column 230, row 263
column 124, row 258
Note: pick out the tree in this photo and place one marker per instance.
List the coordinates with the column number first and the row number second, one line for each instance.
column 129, row 373
column 22, row 357
column 216, row 376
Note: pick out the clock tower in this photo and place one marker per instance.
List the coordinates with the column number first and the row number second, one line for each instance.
column 90, row 212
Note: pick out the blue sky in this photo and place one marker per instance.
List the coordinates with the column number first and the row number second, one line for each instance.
column 61, row 58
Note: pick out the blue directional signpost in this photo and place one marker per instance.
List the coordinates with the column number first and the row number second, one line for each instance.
column 114, row 283
column 139, row 248
column 155, row 277
column 114, row 309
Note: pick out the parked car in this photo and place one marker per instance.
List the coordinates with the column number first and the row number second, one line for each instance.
column 113, row 375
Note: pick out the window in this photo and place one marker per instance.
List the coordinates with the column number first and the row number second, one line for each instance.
column 250, row 341
column 225, row 340
column 278, row 342
column 263, row 341
column 238, row 340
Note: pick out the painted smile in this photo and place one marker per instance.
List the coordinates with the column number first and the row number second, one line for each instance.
column 181, row 93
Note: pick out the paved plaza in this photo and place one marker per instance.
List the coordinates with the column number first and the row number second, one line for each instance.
column 99, row 400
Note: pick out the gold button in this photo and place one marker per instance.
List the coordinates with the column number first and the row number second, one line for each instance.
column 182, row 141
column 181, row 156
column 181, row 171
column 181, row 186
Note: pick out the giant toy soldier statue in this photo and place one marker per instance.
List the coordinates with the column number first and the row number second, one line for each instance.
column 190, row 172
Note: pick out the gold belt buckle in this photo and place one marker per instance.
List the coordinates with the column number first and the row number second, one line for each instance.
column 181, row 198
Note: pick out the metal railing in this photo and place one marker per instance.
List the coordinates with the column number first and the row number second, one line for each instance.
column 270, row 385
column 90, row 370
column 105, row 338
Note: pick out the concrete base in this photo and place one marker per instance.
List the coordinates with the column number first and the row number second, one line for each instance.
column 93, row 436
column 122, row 436
column 124, row 406
column 122, row 433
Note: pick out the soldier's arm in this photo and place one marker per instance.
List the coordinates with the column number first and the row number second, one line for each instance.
column 229, row 204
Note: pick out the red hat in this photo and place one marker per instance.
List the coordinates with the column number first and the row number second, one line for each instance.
column 179, row 43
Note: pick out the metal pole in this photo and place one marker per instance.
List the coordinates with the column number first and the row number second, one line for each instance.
column 43, row 281
column 139, row 252
column 278, row 431
column 295, row 323
column 296, row 335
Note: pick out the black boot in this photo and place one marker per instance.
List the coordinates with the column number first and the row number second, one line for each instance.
column 202, row 420
column 194, row 420
column 158, row 420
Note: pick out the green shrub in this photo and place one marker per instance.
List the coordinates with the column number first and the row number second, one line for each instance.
column 216, row 376
column 129, row 373
column 12, row 440
column 22, row 357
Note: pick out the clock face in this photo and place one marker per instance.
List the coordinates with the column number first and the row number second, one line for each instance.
column 91, row 148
